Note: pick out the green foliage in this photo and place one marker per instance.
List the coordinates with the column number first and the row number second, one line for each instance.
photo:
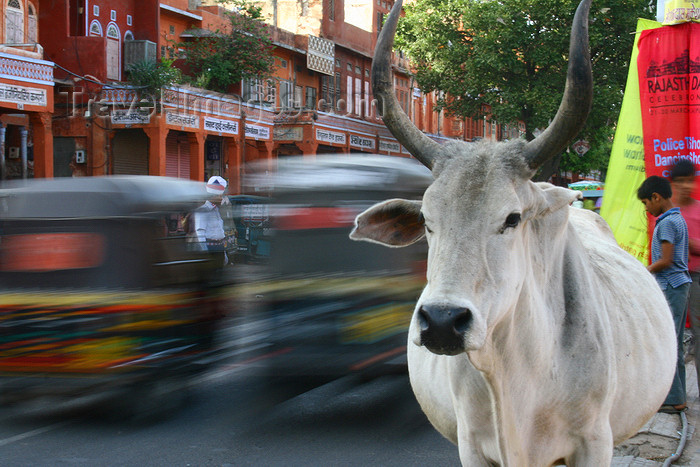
column 225, row 57
column 512, row 55
column 152, row 76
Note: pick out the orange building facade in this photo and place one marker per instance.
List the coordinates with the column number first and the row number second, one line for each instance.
column 26, row 95
column 319, row 99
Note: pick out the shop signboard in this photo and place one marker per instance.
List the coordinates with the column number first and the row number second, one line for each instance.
column 389, row 146
column 328, row 136
column 131, row 116
column 22, row 95
column 288, row 133
column 362, row 142
column 220, row 126
column 181, row 120
column 257, row 132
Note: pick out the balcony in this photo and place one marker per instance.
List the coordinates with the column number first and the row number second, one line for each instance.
column 19, row 67
column 26, row 83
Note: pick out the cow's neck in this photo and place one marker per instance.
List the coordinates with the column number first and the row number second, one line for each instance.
column 536, row 337
column 534, row 325
column 550, row 296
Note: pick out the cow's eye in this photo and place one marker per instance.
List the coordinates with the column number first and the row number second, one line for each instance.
column 421, row 219
column 512, row 221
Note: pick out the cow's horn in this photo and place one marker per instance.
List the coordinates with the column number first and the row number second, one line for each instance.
column 578, row 95
column 418, row 144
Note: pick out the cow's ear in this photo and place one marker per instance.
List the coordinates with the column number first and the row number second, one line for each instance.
column 552, row 198
column 395, row 223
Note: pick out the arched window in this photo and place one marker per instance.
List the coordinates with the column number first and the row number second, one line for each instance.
column 113, row 31
column 14, row 23
column 95, row 28
column 128, row 36
column 32, row 25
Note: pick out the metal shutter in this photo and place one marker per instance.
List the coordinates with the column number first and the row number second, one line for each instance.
column 130, row 152
column 177, row 155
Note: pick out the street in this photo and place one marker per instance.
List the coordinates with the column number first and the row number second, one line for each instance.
column 231, row 417
column 230, row 420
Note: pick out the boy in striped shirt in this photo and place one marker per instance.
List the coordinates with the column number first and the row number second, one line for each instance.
column 669, row 264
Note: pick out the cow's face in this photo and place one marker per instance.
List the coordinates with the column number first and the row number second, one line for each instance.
column 481, row 213
column 481, row 218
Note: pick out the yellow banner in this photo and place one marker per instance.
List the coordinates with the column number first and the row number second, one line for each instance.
column 680, row 11
column 626, row 171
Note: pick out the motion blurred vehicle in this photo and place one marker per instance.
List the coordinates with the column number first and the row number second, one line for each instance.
column 246, row 219
column 100, row 288
column 334, row 306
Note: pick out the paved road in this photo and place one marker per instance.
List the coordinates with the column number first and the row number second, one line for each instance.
column 232, row 421
column 233, row 418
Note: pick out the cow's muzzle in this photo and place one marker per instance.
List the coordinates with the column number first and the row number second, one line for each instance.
column 442, row 328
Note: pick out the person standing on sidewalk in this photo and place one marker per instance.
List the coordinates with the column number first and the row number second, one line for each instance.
column 669, row 256
column 683, row 185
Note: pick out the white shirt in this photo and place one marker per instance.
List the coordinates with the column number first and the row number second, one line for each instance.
column 208, row 223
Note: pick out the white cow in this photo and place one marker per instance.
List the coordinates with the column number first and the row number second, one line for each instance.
column 537, row 340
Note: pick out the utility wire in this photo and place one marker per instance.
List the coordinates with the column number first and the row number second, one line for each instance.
column 85, row 78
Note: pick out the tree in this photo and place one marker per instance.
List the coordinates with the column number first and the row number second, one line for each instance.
column 152, row 76
column 512, row 55
column 243, row 49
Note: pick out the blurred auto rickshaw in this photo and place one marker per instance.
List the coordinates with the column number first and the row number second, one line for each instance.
column 100, row 288
column 333, row 306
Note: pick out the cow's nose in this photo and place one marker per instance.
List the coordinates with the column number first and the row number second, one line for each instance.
column 442, row 328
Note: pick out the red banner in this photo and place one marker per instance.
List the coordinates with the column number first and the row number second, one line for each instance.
column 669, row 89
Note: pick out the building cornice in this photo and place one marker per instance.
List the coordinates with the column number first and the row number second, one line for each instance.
column 178, row 11
column 288, row 47
column 364, row 54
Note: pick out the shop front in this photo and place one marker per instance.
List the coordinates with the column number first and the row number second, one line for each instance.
column 205, row 136
column 213, row 162
column 328, row 134
column 287, row 139
column 220, row 145
column 130, row 152
column 26, row 105
column 129, row 143
column 177, row 154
